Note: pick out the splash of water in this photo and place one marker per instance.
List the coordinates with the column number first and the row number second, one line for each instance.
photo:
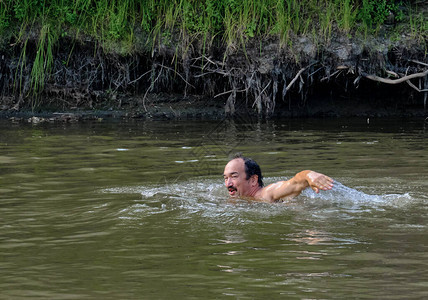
column 209, row 199
column 346, row 196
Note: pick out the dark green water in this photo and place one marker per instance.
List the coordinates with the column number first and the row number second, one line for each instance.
column 138, row 210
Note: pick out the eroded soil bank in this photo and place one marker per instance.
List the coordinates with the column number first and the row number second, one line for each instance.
column 346, row 77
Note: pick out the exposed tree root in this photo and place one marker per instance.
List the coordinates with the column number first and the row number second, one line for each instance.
column 258, row 78
column 394, row 81
column 423, row 82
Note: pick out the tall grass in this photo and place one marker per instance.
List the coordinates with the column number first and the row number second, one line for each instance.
column 418, row 25
column 346, row 14
column 44, row 58
column 326, row 21
column 231, row 23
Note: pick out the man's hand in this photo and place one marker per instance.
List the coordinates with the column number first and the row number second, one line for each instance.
column 318, row 181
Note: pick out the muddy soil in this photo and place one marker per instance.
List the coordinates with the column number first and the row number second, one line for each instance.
column 341, row 78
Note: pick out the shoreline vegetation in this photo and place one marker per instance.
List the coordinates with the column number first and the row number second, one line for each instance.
column 269, row 57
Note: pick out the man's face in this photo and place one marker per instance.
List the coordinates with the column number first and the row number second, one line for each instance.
column 235, row 178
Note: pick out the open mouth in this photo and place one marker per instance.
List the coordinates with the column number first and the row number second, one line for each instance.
column 232, row 191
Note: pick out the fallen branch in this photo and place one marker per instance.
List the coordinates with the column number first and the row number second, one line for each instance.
column 227, row 92
column 298, row 75
column 168, row 68
column 394, row 81
column 261, row 93
column 419, row 62
column 331, row 75
column 212, row 72
column 209, row 60
column 310, row 75
column 135, row 80
column 151, row 88
column 392, row 74
column 416, row 88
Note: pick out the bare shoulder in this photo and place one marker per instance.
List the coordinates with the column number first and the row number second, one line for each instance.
column 268, row 193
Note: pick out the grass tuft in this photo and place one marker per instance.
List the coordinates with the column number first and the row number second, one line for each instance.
column 177, row 23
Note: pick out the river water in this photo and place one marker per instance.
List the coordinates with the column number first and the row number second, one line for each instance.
column 136, row 209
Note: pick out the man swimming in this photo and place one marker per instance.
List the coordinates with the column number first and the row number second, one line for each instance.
column 243, row 178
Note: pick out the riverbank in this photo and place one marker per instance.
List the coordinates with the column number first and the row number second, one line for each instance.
column 199, row 108
column 322, row 68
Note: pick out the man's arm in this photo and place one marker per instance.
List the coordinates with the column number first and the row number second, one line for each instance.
column 294, row 186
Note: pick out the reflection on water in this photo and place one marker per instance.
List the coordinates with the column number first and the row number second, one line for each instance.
column 127, row 210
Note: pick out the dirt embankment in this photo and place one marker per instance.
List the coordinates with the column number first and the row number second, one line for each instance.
column 346, row 76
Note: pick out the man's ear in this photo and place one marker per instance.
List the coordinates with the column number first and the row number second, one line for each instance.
column 254, row 180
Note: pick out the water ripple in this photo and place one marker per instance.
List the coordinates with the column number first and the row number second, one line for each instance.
column 209, row 201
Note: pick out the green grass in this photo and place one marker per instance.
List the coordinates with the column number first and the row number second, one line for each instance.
column 346, row 14
column 418, row 25
column 229, row 23
column 44, row 57
column 232, row 20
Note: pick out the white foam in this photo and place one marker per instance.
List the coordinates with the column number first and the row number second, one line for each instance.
column 209, row 199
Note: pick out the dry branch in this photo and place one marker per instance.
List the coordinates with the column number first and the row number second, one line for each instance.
column 261, row 93
column 419, row 62
column 168, row 68
column 298, row 75
column 227, row 92
column 394, row 81
column 331, row 75
column 416, row 88
column 141, row 76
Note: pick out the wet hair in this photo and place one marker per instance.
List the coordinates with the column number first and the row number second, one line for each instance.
column 251, row 168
